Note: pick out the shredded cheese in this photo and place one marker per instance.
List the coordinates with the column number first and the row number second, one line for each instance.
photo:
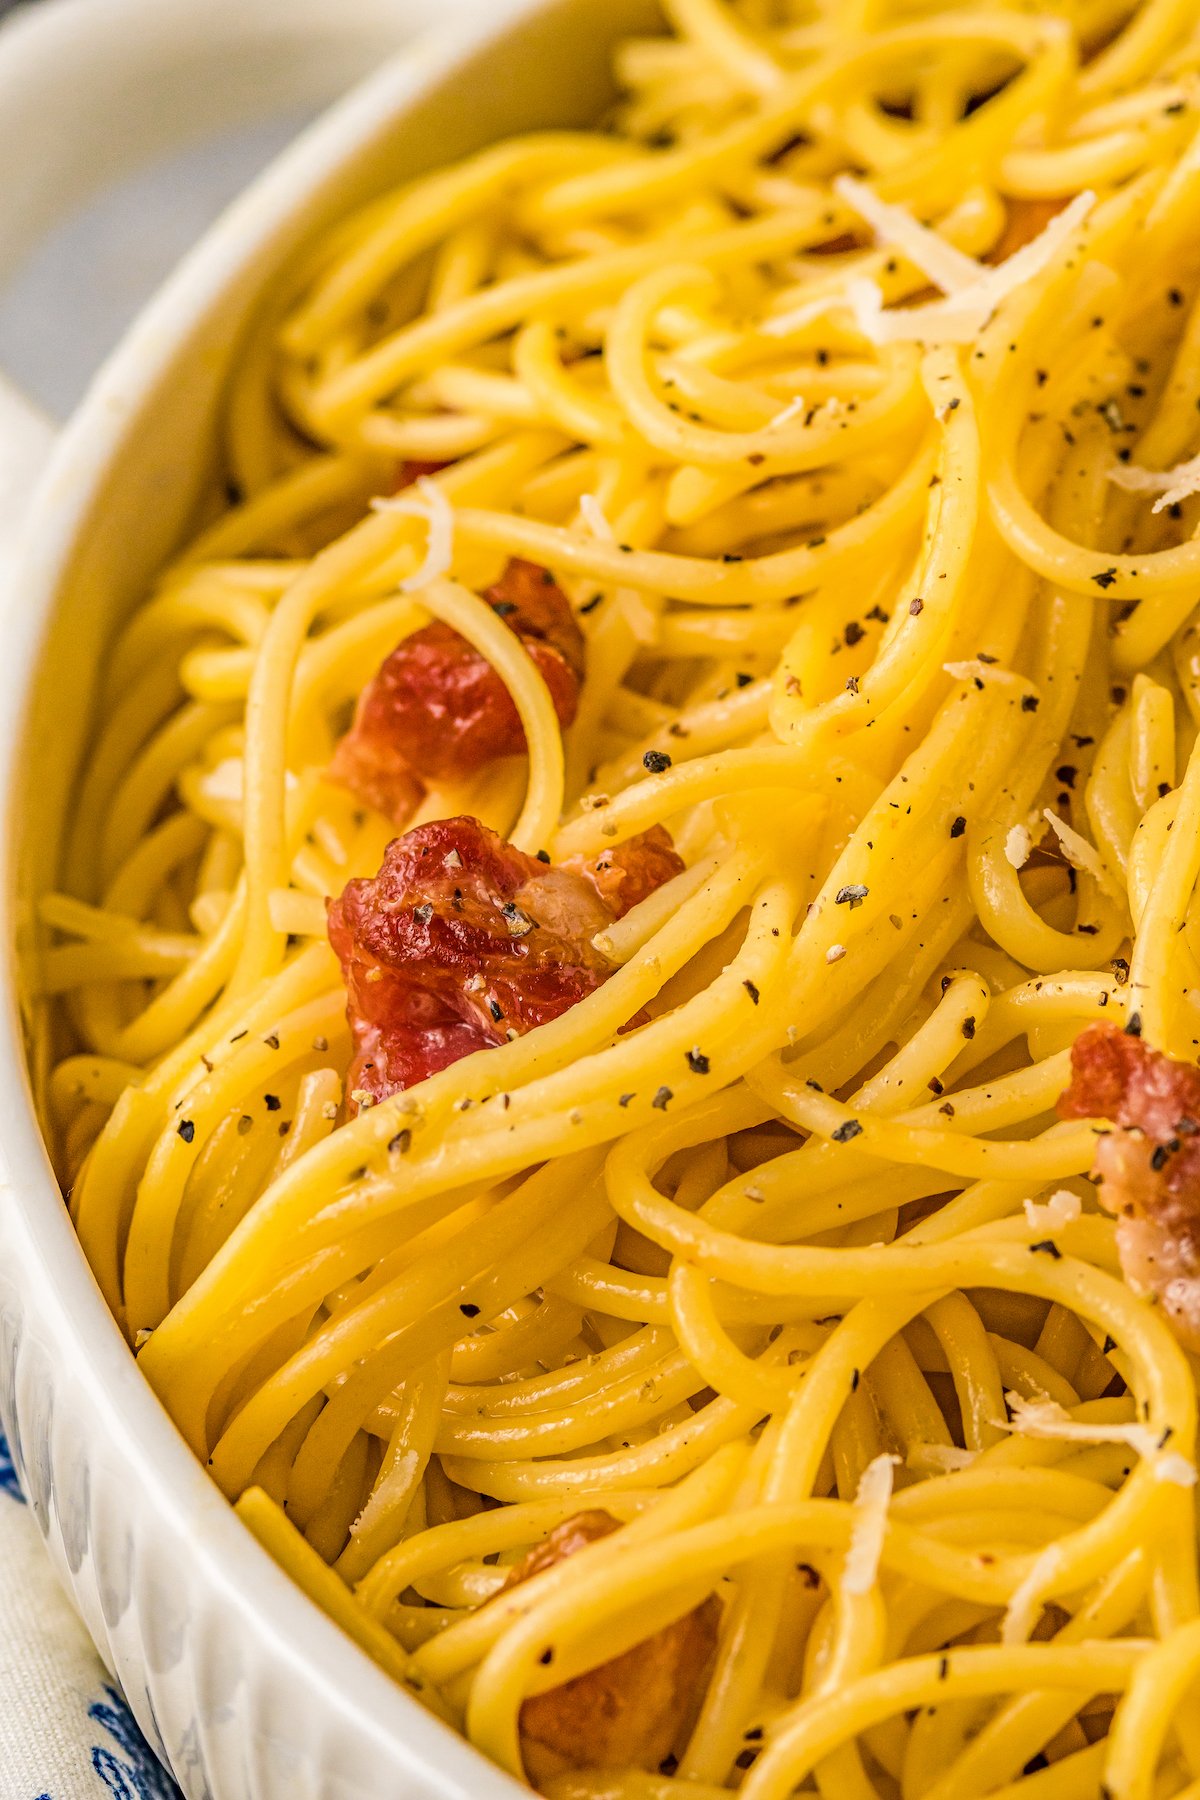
column 870, row 1525
column 1171, row 485
column 1050, row 1215
column 1081, row 855
column 594, row 518
column 1025, row 1607
column 939, row 1459
column 425, row 500
column 1018, row 846
column 1047, row 1419
column 793, row 410
column 961, row 315
column 950, row 269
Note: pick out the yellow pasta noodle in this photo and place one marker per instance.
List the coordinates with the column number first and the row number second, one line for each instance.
column 844, row 383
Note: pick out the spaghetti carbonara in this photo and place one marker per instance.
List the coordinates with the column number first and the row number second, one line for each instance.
column 623, row 996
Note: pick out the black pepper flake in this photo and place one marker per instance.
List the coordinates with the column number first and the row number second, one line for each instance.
column 186, row 1130
column 469, row 1310
column 1120, row 969
column 852, row 895
column 1047, row 1247
column 855, row 1378
column 742, row 679
column 916, row 606
column 753, row 1734
column 272, row 1042
column 853, row 634
column 656, row 761
column 1158, row 1157
column 968, row 1027
column 745, row 1759
column 589, row 606
column 625, row 1099
column 1029, row 703
column 852, row 685
column 752, row 991
column 502, row 608
column 943, row 1668
column 245, row 1124
column 272, row 1102
column 697, row 1062
column 547, row 1657
column 237, row 1037
column 850, row 1128
column 1041, row 376
column 662, row 1099
column 1175, row 296
column 1106, row 578
column 958, row 826
column 543, row 856
column 423, row 914
column 1066, row 773
column 1133, row 1025
column 496, row 1010
column 1110, row 1343
column 1186, row 1127
column 401, row 1143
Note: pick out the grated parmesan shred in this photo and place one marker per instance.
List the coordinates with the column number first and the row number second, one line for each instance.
column 595, row 518
column 793, row 410
column 1171, row 485
column 961, row 315
column 950, row 269
column 939, row 1459
column 1062, row 1208
column 1025, row 1607
column 425, row 500
column 1081, row 855
column 870, row 1525
column 1047, row 1419
column 1018, row 846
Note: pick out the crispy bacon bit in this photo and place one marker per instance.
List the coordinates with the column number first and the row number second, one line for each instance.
column 462, row 941
column 438, row 710
column 625, row 1714
column 412, row 471
column 625, row 876
column 1149, row 1166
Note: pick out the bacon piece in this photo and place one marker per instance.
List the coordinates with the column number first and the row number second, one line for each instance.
column 625, row 1714
column 629, row 874
column 413, row 470
column 437, row 710
column 1149, row 1166
column 461, row 940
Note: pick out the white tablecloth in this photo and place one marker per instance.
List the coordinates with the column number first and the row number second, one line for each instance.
column 65, row 1731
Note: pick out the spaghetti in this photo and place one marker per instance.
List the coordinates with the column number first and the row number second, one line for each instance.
column 792, row 490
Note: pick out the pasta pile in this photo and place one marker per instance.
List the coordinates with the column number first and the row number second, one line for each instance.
column 848, row 383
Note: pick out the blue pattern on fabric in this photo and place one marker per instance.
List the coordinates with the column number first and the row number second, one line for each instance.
column 10, row 1485
column 137, row 1773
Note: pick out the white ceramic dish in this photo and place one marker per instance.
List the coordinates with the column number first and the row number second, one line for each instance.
column 249, row 1692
